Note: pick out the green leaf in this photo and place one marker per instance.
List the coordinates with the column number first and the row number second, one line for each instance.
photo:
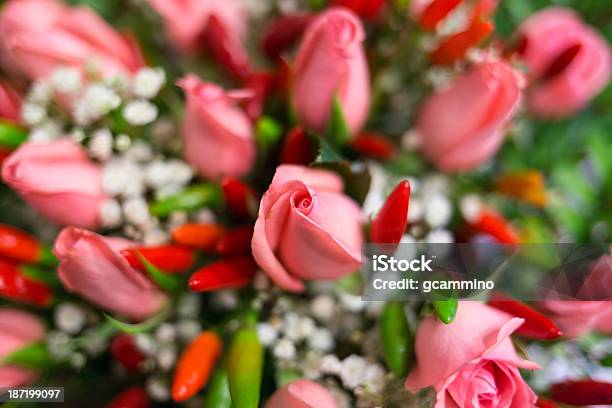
column 327, row 153
column 337, row 133
column 11, row 136
column 133, row 328
column 161, row 278
column 34, row 355
column 191, row 199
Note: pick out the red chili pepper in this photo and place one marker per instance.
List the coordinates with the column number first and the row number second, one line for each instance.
column 235, row 241
column 14, row 285
column 366, row 9
column 133, row 397
column 195, row 365
column 125, row 351
column 373, row 145
column 283, row 33
column 168, row 258
column 435, row 12
column 238, row 196
column 4, row 153
column 22, row 247
column 390, row 223
column 545, row 403
column 493, row 224
column 455, row 46
column 582, row 392
column 536, row 325
column 201, row 236
column 232, row 272
column 297, row 148
column 225, row 48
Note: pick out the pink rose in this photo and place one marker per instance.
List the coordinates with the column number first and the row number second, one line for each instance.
column 569, row 63
column 471, row 362
column 37, row 36
column 17, row 330
column 217, row 26
column 302, row 394
column 331, row 62
column 307, row 228
column 10, row 103
column 58, row 180
column 92, row 266
column 217, row 134
column 576, row 318
column 462, row 125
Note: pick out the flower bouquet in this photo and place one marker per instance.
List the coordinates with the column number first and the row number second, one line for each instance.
column 194, row 193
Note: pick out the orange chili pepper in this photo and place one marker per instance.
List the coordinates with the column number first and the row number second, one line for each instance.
column 195, row 365
column 493, row 224
column 527, row 186
column 454, row 47
column 201, row 236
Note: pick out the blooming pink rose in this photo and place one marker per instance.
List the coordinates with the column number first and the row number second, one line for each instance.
column 37, row 36
column 10, row 103
column 302, row 394
column 58, row 180
column 331, row 62
column 471, row 362
column 92, row 266
column 17, row 330
column 217, row 26
column 307, row 228
column 217, row 134
column 462, row 125
column 569, row 63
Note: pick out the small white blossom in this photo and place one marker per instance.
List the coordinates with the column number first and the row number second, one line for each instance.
column 140, row 112
column 59, row 345
column 77, row 135
column 148, row 82
column 439, row 236
column 323, row 307
column 140, row 151
column 284, row 349
column 157, row 388
column 41, row 92
column 352, row 303
column 471, row 206
column 189, row 305
column 155, row 236
column 206, row 216
column 136, row 211
column 305, row 327
column 330, row 364
column 411, row 140
column 77, row 360
column 97, row 101
column 225, row 299
column 291, row 323
column 33, row 114
column 44, row 133
column 66, row 80
column 157, row 174
column 122, row 177
column 145, row 343
column 353, row 371
column 321, row 340
column 266, row 333
column 166, row 357
column 101, row 144
column 438, row 211
column 188, row 329
column 69, row 317
column 110, row 213
column 415, row 209
column 165, row 333
column 123, row 142
column 180, row 172
column 374, row 379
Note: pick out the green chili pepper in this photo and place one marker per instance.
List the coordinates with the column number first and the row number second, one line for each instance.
column 218, row 395
column 244, row 368
column 192, row 198
column 11, row 136
column 445, row 306
column 396, row 339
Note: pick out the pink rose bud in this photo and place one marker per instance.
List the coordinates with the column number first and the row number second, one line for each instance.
column 331, row 62
column 217, row 26
column 569, row 62
column 37, row 36
column 217, row 134
column 471, row 361
column 92, row 266
column 58, row 180
column 462, row 125
column 10, row 103
column 307, row 229
column 302, row 394
column 17, row 330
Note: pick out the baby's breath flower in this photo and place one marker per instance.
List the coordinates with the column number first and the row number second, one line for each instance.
column 40, row 92
column 101, row 144
column 110, row 213
column 122, row 177
column 438, row 211
column 284, row 349
column 33, row 114
column 136, row 211
column 353, row 371
column 45, row 132
column 69, row 317
column 321, row 340
column 140, row 112
column 266, row 333
column 148, row 82
column 97, row 101
column 66, row 80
